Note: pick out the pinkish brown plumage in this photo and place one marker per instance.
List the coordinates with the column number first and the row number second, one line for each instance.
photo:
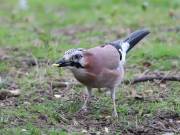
column 102, row 66
column 99, row 67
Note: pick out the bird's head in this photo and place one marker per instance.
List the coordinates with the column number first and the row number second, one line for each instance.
column 72, row 58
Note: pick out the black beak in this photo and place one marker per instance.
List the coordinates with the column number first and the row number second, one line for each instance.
column 62, row 63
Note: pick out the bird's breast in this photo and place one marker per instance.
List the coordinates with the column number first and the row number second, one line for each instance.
column 105, row 78
column 83, row 76
column 101, row 69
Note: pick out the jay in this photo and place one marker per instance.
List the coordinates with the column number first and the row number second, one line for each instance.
column 101, row 66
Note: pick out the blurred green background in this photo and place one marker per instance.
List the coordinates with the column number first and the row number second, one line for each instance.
column 35, row 34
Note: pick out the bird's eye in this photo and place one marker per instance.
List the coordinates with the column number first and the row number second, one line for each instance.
column 77, row 56
column 72, row 59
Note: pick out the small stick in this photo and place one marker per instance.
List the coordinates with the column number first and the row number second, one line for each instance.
column 152, row 78
column 134, row 81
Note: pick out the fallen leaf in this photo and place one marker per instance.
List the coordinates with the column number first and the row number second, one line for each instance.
column 147, row 64
column 148, row 92
column 178, row 121
column 168, row 133
column 133, row 92
column 43, row 117
column 7, row 94
column 106, row 130
column 23, row 130
column 60, row 84
column 27, row 103
column 57, row 96
column 15, row 92
column 84, row 131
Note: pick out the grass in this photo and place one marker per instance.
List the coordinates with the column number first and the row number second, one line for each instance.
column 46, row 29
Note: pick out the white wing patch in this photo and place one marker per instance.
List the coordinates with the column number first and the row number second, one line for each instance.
column 124, row 46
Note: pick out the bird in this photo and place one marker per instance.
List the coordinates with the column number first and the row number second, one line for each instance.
column 101, row 66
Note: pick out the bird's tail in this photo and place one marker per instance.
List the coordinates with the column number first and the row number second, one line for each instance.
column 129, row 42
column 124, row 46
column 133, row 39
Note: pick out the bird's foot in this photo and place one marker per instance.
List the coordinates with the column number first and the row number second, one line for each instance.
column 115, row 114
column 84, row 109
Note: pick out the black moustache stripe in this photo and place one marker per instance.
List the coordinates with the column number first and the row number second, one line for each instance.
column 77, row 65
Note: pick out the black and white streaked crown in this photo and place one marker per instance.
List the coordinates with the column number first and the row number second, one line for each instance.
column 71, row 51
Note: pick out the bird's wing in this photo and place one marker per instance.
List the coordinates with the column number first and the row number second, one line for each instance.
column 105, row 56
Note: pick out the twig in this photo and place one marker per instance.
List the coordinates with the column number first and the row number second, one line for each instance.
column 152, row 78
column 126, row 82
column 163, row 129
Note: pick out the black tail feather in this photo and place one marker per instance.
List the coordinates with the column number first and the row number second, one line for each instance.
column 135, row 37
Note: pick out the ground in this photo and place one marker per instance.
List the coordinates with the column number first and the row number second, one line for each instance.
column 33, row 38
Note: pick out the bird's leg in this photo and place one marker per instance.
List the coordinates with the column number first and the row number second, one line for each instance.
column 113, row 96
column 87, row 99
